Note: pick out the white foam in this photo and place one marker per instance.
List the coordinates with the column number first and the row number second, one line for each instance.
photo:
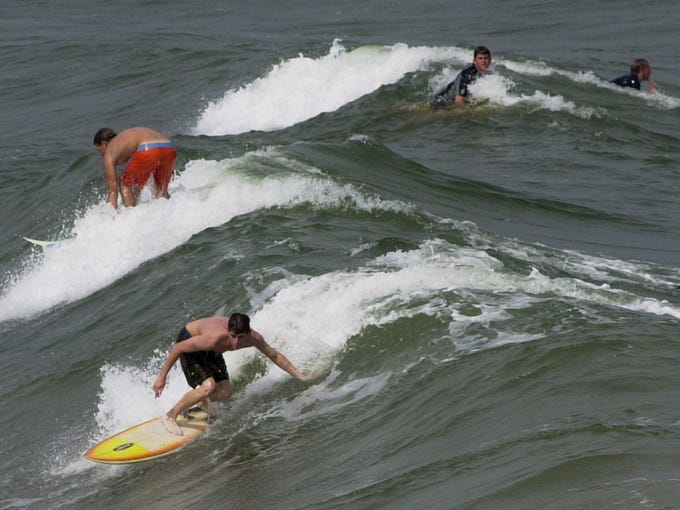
column 403, row 284
column 497, row 90
column 126, row 396
column 303, row 87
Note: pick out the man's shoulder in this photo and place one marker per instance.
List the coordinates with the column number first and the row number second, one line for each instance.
column 468, row 74
column 627, row 80
column 254, row 337
column 619, row 80
column 211, row 325
column 124, row 142
column 471, row 69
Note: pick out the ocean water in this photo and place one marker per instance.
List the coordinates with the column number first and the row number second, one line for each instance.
column 486, row 297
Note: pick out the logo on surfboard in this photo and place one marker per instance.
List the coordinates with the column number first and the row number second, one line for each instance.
column 122, row 447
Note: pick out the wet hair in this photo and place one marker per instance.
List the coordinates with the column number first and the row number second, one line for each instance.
column 103, row 135
column 239, row 323
column 638, row 65
column 482, row 50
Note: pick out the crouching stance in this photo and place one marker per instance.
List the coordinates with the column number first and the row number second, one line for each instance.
column 199, row 347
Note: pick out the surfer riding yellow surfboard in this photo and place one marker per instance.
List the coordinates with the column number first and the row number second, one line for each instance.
column 199, row 348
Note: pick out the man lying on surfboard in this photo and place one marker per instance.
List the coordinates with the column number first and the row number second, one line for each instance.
column 199, row 347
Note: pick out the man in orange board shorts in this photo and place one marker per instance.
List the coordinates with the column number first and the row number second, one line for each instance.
column 144, row 152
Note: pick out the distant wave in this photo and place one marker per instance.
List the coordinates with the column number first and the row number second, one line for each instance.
column 302, row 87
column 463, row 286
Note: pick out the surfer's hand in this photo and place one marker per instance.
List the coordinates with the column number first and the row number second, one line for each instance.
column 158, row 386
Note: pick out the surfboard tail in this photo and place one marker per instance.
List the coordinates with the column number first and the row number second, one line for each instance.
column 43, row 244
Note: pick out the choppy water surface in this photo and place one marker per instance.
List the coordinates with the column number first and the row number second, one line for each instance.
column 486, row 296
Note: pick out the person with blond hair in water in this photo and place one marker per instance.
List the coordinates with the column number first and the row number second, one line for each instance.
column 640, row 71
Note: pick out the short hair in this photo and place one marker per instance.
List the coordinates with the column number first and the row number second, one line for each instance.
column 482, row 50
column 638, row 65
column 239, row 323
column 103, row 135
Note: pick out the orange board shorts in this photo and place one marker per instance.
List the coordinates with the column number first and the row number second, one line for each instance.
column 157, row 159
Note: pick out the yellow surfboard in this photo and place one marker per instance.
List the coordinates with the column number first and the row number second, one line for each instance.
column 148, row 440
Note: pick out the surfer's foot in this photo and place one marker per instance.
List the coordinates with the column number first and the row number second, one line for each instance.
column 171, row 425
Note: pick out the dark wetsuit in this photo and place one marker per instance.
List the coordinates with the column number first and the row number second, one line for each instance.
column 458, row 87
column 627, row 80
column 201, row 365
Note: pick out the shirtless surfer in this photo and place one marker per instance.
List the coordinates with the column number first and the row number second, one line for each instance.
column 145, row 152
column 199, row 347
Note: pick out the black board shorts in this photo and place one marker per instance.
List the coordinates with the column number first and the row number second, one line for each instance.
column 201, row 365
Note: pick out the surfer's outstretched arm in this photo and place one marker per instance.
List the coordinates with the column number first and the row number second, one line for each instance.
column 159, row 384
column 277, row 358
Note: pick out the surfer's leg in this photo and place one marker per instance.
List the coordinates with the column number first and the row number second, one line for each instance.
column 190, row 399
column 134, row 177
column 222, row 389
column 221, row 392
column 204, row 405
column 163, row 172
column 129, row 196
